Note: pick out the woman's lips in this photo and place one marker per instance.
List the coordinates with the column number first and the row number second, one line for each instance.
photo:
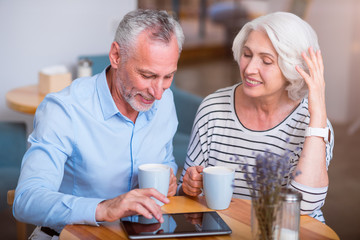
column 252, row 82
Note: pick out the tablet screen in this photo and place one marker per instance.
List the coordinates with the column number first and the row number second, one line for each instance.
column 175, row 225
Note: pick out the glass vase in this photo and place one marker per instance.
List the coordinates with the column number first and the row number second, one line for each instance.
column 265, row 221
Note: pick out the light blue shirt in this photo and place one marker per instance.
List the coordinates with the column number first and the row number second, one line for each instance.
column 83, row 151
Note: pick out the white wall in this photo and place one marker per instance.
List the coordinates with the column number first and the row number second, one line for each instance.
column 354, row 96
column 38, row 33
column 337, row 23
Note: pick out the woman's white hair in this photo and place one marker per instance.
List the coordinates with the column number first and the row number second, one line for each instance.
column 290, row 36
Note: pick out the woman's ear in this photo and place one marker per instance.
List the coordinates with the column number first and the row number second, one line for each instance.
column 114, row 55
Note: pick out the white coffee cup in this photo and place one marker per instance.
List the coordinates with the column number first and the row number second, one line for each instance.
column 218, row 186
column 154, row 176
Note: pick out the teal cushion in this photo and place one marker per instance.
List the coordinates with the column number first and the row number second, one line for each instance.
column 12, row 143
column 12, row 149
column 99, row 62
column 8, row 180
column 186, row 105
column 180, row 142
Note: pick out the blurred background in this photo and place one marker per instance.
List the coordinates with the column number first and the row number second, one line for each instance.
column 36, row 34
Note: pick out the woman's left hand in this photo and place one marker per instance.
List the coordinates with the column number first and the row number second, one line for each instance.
column 316, row 84
column 312, row 162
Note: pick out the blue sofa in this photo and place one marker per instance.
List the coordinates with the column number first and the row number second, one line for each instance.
column 12, row 149
column 186, row 106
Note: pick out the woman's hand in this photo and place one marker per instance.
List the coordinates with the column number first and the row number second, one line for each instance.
column 193, row 181
column 312, row 162
column 316, row 84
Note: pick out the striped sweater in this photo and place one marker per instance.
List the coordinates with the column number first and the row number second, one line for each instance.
column 218, row 136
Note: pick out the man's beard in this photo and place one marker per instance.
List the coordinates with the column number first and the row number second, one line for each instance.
column 137, row 105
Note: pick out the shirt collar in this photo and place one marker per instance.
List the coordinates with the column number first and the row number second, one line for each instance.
column 108, row 105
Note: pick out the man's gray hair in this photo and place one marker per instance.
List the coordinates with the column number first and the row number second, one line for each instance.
column 290, row 36
column 160, row 25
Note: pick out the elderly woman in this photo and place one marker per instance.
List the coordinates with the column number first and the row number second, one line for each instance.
column 279, row 105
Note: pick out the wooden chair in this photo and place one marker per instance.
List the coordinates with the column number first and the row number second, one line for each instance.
column 20, row 226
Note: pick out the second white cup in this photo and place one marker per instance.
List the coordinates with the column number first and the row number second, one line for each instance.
column 154, row 176
column 218, row 186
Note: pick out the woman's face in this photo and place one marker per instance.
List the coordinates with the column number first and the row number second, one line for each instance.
column 259, row 67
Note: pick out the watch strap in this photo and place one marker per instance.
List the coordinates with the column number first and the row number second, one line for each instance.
column 319, row 132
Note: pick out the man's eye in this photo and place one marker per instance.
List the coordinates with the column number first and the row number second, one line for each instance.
column 247, row 55
column 146, row 76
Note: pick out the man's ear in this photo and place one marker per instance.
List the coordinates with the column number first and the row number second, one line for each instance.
column 114, row 55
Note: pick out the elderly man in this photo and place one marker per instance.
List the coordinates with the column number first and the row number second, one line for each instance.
column 90, row 138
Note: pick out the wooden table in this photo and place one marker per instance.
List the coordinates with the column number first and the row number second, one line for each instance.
column 24, row 99
column 237, row 216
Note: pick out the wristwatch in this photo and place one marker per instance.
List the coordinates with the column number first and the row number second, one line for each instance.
column 319, row 132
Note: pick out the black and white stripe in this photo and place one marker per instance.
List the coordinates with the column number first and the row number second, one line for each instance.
column 218, row 136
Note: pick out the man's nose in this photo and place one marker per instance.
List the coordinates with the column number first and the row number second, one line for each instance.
column 157, row 89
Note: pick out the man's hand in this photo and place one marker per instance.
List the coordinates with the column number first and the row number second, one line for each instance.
column 172, row 184
column 193, row 181
column 136, row 201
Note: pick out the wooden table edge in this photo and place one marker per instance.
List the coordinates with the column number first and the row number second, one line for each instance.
column 15, row 103
column 327, row 233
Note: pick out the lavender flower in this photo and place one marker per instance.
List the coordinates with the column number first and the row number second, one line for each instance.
column 265, row 180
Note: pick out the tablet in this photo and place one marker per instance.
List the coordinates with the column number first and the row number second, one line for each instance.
column 175, row 225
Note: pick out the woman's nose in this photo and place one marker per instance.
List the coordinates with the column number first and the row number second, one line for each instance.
column 252, row 66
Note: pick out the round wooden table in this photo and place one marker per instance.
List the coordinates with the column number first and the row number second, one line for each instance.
column 24, row 99
column 237, row 216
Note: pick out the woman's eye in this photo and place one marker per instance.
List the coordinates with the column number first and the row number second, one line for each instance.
column 267, row 62
column 247, row 55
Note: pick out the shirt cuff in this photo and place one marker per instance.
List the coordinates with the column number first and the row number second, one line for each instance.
column 312, row 198
column 84, row 211
column 307, row 189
